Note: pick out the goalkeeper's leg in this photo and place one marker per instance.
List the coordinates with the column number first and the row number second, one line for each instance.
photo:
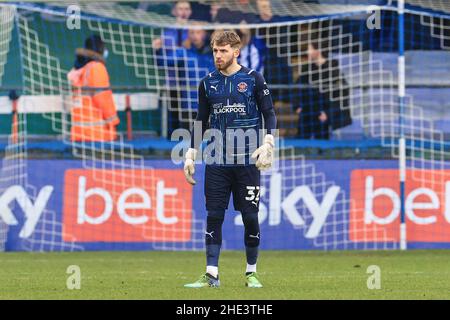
column 213, row 242
column 246, row 200
column 217, row 195
column 252, row 238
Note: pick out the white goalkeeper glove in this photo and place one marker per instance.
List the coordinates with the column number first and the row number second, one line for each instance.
column 189, row 165
column 265, row 153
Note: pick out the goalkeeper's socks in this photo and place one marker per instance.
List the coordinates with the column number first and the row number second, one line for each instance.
column 212, row 254
column 252, row 255
column 250, row 269
column 213, row 271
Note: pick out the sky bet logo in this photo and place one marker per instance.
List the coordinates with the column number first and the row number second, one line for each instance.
column 32, row 211
column 109, row 205
column 375, row 210
column 127, row 206
column 288, row 206
column 375, row 206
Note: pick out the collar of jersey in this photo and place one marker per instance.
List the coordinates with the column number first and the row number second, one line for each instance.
column 232, row 73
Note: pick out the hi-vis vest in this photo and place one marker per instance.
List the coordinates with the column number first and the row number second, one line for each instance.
column 94, row 116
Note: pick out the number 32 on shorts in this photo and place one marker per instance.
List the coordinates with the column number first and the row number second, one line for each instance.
column 253, row 194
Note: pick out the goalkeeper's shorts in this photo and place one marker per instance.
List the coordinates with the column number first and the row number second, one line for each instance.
column 241, row 181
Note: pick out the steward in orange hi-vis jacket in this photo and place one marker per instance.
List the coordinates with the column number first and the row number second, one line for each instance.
column 94, row 115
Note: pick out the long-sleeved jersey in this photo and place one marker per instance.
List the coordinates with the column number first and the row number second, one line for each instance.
column 234, row 106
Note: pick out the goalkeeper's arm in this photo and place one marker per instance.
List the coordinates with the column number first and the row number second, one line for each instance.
column 203, row 117
column 264, row 154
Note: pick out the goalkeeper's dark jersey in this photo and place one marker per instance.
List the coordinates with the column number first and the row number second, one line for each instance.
column 229, row 103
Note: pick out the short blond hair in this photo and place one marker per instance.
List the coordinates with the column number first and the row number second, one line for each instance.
column 224, row 37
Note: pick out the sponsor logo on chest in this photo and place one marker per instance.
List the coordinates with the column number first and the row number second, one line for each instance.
column 234, row 108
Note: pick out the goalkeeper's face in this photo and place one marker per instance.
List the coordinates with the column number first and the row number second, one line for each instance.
column 224, row 56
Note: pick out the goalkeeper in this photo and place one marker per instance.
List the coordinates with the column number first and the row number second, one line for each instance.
column 232, row 98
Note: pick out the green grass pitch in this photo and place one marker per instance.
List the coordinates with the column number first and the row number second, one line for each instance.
column 285, row 275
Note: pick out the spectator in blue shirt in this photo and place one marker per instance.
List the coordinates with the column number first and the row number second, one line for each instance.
column 170, row 40
column 252, row 50
column 187, row 64
column 171, row 37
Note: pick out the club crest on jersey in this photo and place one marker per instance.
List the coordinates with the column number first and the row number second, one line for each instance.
column 242, row 86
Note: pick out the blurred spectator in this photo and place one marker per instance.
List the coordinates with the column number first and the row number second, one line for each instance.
column 166, row 46
column 214, row 10
column 264, row 10
column 93, row 113
column 160, row 8
column 174, row 37
column 182, row 11
column 187, row 65
column 323, row 100
column 221, row 14
column 252, row 50
column 200, row 11
column 277, row 70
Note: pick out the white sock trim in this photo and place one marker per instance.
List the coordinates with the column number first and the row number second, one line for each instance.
column 212, row 270
column 251, row 268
